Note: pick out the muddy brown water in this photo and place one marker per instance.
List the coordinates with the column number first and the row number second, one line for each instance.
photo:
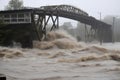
column 62, row 58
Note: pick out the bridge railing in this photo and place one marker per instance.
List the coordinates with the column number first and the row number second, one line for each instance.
column 72, row 9
column 66, row 8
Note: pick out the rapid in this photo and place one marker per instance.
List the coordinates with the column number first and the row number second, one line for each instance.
column 61, row 57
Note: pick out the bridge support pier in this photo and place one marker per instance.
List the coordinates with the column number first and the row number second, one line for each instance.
column 41, row 21
column 90, row 33
column 99, row 33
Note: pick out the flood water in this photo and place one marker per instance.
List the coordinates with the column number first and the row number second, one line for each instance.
column 61, row 58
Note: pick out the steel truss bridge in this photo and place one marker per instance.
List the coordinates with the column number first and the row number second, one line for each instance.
column 41, row 16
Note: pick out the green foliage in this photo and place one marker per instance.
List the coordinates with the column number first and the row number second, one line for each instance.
column 14, row 4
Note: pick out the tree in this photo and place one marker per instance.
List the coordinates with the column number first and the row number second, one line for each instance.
column 14, row 4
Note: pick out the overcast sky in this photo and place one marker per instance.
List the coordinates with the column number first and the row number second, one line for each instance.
column 92, row 7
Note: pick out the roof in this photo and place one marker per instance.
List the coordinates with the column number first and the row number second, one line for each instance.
column 18, row 10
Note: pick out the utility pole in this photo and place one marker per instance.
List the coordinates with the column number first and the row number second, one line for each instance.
column 101, row 40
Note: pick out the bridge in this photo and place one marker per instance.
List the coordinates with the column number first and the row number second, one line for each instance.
column 39, row 18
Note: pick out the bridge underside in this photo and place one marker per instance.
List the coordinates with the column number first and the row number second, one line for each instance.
column 39, row 18
column 98, row 31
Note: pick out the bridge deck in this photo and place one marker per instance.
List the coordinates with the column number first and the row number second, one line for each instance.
column 37, row 19
column 62, row 13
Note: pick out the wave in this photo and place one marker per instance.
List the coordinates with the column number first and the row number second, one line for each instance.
column 57, row 39
column 91, row 57
column 10, row 53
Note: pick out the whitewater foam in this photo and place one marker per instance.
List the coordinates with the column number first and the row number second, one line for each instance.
column 59, row 39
